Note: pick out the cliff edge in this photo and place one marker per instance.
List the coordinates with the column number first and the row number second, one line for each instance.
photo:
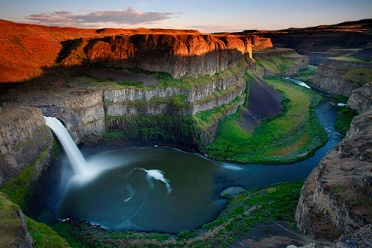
column 337, row 196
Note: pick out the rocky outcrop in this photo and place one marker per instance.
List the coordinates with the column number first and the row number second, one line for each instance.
column 180, row 55
column 337, row 196
column 24, row 139
column 336, row 75
column 361, row 99
column 361, row 238
column 13, row 226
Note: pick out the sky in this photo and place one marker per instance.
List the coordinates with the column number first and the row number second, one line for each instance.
column 206, row 16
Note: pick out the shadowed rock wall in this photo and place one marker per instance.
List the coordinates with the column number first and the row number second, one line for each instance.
column 24, row 139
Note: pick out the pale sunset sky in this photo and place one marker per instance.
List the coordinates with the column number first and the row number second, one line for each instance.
column 205, row 16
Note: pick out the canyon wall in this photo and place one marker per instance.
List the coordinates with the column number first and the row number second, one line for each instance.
column 190, row 55
column 89, row 114
column 341, row 75
column 188, row 109
column 336, row 197
column 24, row 139
column 178, row 52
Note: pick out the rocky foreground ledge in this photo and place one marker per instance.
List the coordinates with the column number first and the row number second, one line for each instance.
column 337, row 196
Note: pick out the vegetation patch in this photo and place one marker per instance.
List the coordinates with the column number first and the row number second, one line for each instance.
column 288, row 137
column 19, row 189
column 277, row 62
column 207, row 118
column 136, row 84
column 44, row 236
column 344, row 117
column 359, row 76
column 10, row 222
column 307, row 74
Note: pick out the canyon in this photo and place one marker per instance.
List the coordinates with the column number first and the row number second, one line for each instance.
column 173, row 87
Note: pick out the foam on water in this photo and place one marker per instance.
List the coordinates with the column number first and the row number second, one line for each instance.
column 154, row 175
column 298, row 82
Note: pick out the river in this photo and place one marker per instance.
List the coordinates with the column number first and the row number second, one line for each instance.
column 164, row 189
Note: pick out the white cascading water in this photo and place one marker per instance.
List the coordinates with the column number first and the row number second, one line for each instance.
column 77, row 160
column 84, row 171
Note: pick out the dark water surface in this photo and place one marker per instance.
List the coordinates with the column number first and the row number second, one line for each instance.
column 167, row 190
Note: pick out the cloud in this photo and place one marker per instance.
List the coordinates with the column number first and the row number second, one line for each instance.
column 125, row 17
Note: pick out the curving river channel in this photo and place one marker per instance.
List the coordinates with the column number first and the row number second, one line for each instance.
column 164, row 189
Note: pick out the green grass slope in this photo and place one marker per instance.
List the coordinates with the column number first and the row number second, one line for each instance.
column 288, row 137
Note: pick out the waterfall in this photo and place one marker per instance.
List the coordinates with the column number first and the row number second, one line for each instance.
column 77, row 160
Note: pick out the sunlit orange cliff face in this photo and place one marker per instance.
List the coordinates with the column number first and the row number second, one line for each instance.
column 28, row 49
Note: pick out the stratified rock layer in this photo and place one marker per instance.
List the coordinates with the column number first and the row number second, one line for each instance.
column 331, row 75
